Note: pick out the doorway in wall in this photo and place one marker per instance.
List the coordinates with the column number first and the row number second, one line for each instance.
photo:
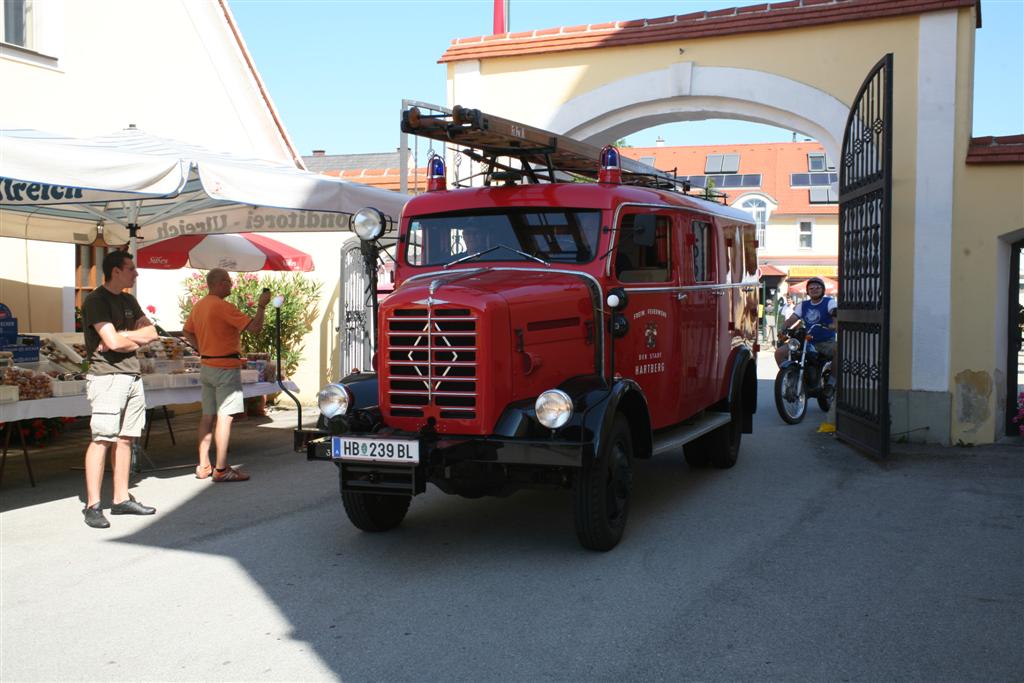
column 1014, row 345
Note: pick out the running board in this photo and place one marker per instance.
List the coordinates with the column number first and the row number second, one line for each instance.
column 674, row 438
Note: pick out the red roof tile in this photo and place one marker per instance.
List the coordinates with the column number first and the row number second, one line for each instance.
column 1008, row 149
column 773, row 160
column 749, row 19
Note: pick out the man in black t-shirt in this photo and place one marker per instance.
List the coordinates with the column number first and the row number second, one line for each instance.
column 114, row 328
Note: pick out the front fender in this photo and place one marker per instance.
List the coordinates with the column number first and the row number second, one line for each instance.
column 595, row 407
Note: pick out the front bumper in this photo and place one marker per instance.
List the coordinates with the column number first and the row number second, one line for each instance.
column 441, row 451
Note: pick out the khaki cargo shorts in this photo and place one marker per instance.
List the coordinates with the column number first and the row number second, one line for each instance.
column 118, row 404
column 222, row 390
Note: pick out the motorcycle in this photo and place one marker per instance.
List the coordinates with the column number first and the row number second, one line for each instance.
column 806, row 374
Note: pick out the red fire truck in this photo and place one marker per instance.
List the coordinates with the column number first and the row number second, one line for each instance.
column 546, row 332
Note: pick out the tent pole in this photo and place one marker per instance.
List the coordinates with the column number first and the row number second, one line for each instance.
column 133, row 231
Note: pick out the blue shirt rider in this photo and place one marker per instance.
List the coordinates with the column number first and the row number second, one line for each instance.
column 818, row 310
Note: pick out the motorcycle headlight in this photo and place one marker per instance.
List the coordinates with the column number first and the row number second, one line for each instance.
column 553, row 407
column 334, row 399
column 794, row 345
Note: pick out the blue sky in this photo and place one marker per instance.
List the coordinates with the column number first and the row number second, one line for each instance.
column 339, row 69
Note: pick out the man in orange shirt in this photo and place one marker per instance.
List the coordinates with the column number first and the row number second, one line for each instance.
column 215, row 328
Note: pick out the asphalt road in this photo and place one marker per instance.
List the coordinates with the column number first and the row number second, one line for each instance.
column 804, row 562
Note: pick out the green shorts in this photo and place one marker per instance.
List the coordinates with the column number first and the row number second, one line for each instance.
column 222, row 390
column 118, row 404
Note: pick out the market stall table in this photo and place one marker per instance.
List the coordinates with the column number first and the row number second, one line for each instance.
column 11, row 414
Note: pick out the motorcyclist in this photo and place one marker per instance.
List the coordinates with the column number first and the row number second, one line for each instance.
column 818, row 310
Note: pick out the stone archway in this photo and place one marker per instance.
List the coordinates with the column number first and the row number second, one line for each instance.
column 690, row 92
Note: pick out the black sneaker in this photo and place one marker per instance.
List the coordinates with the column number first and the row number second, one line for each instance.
column 131, row 507
column 94, row 517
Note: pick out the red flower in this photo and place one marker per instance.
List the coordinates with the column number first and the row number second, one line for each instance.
column 151, row 308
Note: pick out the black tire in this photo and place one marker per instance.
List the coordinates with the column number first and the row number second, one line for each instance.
column 698, row 452
column 826, row 392
column 792, row 412
column 374, row 512
column 602, row 490
column 719, row 448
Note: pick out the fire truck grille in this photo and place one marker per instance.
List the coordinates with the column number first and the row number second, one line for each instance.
column 432, row 356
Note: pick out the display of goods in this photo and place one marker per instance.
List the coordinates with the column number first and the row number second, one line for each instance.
column 184, row 379
column 8, row 394
column 31, row 385
column 79, row 349
column 6, row 359
column 66, row 385
column 151, row 382
column 58, row 353
column 250, row 376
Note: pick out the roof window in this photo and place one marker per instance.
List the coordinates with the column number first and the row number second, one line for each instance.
column 722, row 163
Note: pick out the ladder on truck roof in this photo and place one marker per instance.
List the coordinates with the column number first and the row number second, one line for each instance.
column 542, row 154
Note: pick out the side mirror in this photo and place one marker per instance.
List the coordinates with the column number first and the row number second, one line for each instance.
column 644, row 232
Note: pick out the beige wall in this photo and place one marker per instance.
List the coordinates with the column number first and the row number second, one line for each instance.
column 532, row 87
column 176, row 73
column 969, row 244
column 169, row 67
column 989, row 216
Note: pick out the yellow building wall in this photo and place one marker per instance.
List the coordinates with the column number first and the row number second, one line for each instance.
column 834, row 59
column 989, row 205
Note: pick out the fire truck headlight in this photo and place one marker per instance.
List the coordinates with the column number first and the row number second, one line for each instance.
column 334, row 399
column 368, row 224
column 553, row 407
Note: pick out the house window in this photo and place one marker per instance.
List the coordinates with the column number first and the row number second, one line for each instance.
column 746, row 180
column 815, row 162
column 722, row 163
column 16, row 22
column 646, row 160
column 758, row 208
column 812, row 179
column 823, row 195
column 806, row 234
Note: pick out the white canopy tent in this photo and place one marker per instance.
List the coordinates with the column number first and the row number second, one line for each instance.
column 63, row 189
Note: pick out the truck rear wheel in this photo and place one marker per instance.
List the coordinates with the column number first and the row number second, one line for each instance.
column 602, row 490
column 374, row 511
column 719, row 448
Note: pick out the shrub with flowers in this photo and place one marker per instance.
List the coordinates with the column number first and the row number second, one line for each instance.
column 40, row 431
column 298, row 313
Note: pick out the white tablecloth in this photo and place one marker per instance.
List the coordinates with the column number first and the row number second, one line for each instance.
column 77, row 406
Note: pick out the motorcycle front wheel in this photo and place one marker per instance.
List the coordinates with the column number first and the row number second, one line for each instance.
column 827, row 392
column 790, row 396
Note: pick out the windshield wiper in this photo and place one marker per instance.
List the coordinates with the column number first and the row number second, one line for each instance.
column 470, row 257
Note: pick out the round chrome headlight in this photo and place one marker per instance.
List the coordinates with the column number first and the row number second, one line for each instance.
column 334, row 399
column 794, row 345
column 368, row 224
column 554, row 408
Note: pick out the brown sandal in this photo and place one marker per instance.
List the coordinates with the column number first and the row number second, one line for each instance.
column 230, row 474
column 204, row 472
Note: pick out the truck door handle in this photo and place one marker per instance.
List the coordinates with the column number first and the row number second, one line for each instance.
column 718, row 292
column 681, row 296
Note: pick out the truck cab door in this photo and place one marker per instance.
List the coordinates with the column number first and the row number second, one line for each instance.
column 644, row 266
column 698, row 312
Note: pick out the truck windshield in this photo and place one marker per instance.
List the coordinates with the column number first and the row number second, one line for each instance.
column 562, row 236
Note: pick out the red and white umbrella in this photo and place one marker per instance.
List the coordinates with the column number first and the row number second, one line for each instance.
column 831, row 287
column 238, row 252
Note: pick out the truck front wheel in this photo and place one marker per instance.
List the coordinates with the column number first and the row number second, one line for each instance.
column 602, row 490
column 374, row 511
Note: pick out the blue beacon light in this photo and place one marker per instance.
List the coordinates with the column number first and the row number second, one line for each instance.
column 436, row 174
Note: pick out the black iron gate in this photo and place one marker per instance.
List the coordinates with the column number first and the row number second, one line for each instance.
column 865, row 216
